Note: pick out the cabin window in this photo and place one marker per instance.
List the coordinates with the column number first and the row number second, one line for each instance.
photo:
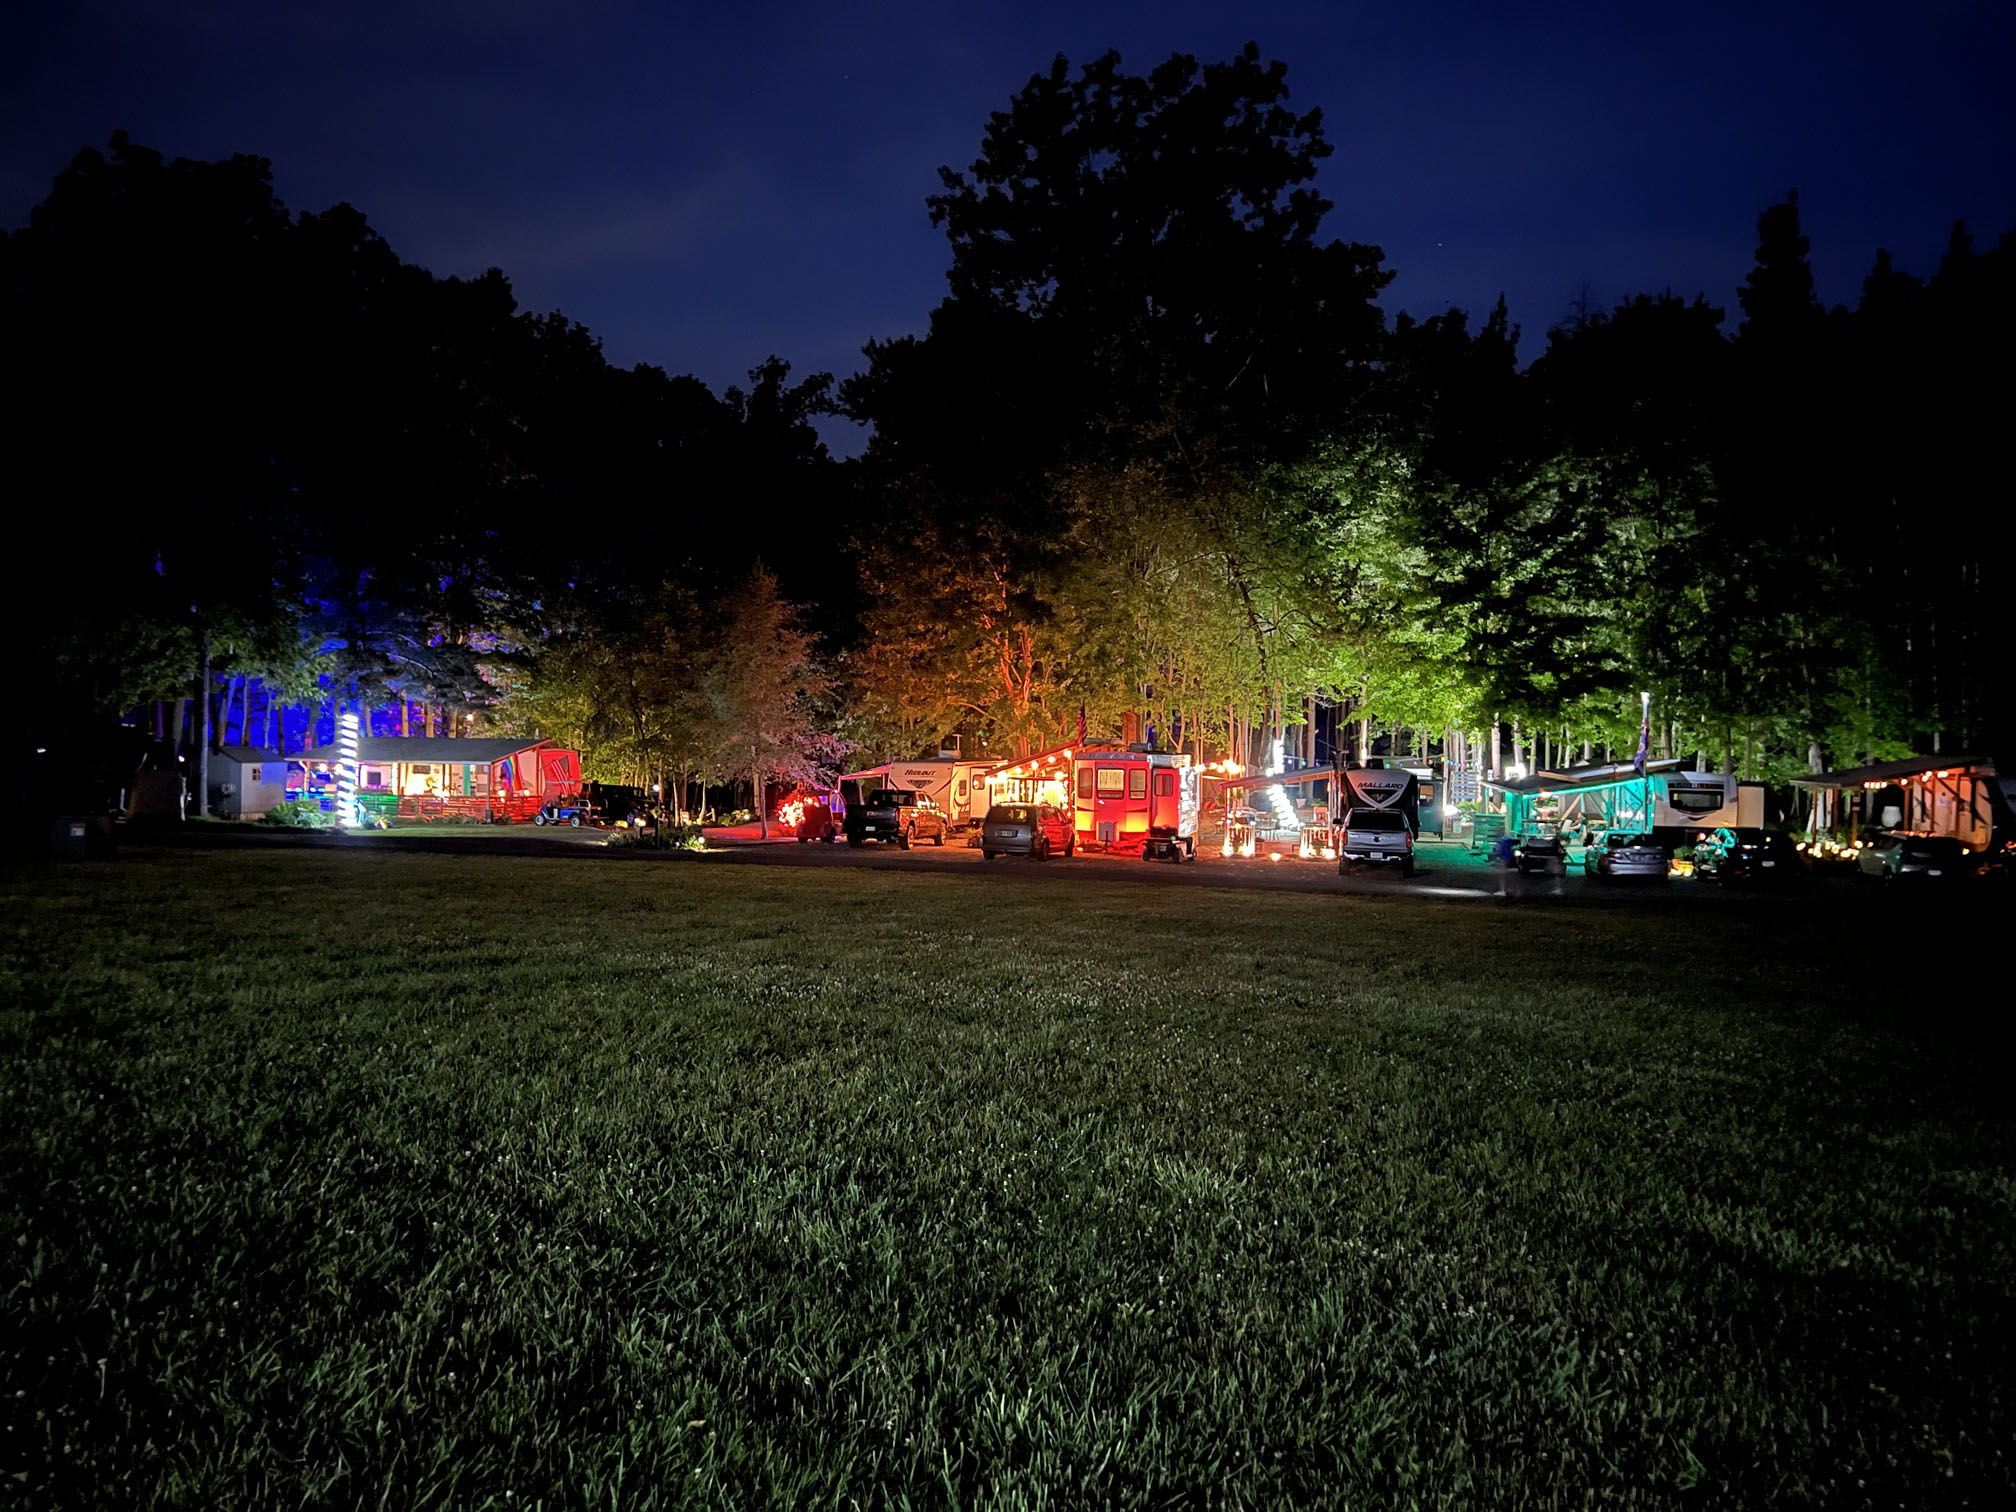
column 1112, row 780
column 1165, row 784
column 1137, row 783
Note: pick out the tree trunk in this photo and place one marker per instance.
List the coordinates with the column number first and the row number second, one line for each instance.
column 203, row 735
column 1494, row 746
column 756, row 795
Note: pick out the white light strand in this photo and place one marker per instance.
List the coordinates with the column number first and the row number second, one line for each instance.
column 346, row 771
column 1284, row 811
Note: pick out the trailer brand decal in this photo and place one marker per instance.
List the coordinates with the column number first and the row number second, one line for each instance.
column 1381, row 789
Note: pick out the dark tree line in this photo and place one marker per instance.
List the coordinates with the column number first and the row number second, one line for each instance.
column 257, row 445
column 1159, row 452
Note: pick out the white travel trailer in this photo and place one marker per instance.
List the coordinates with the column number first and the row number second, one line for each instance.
column 957, row 786
column 1705, row 800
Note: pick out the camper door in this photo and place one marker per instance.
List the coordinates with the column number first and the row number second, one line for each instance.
column 1111, row 801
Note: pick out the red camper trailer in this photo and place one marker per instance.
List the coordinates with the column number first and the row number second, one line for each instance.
column 1134, row 802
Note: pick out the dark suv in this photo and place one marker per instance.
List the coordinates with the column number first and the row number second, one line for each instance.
column 895, row 814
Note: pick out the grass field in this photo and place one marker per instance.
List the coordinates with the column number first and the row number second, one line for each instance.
column 341, row 1179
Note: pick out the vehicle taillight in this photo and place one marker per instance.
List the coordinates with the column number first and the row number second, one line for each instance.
column 1408, row 836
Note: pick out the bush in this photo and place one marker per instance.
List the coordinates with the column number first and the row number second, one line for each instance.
column 664, row 837
column 299, row 813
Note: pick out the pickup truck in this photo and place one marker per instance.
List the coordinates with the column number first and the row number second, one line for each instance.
column 895, row 814
column 1377, row 837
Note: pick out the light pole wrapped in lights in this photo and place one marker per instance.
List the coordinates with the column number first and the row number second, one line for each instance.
column 346, row 771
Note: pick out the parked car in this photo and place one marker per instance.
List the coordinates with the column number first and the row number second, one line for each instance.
column 897, row 815
column 1041, row 830
column 1747, row 855
column 1620, row 853
column 1541, row 850
column 1898, row 855
column 1376, row 837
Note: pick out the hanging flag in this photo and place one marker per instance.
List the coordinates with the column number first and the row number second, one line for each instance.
column 1081, row 724
column 1644, row 735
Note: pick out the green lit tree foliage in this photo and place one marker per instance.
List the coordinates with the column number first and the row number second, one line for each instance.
column 762, row 681
column 1141, row 320
column 1158, row 455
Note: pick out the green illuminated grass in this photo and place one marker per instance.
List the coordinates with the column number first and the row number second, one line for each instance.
column 351, row 1179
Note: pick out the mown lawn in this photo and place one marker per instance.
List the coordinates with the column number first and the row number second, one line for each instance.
column 396, row 1180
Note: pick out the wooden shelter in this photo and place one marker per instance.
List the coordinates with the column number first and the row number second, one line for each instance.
column 422, row 779
column 1958, row 796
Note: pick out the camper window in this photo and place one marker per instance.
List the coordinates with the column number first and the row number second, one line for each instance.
column 1165, row 784
column 1112, row 780
column 1137, row 783
column 1085, row 779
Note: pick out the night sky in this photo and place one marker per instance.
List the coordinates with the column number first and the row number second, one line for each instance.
column 705, row 186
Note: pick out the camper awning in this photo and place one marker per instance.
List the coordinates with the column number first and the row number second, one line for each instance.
column 1897, row 771
column 438, row 749
column 1056, row 755
column 1575, row 779
column 1278, row 779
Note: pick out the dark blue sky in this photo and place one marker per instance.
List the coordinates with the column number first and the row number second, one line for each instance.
column 705, row 186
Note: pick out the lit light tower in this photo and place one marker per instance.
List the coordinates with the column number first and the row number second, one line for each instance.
column 346, row 771
column 1284, row 811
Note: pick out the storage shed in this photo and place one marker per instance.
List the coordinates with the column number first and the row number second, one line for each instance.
column 246, row 781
